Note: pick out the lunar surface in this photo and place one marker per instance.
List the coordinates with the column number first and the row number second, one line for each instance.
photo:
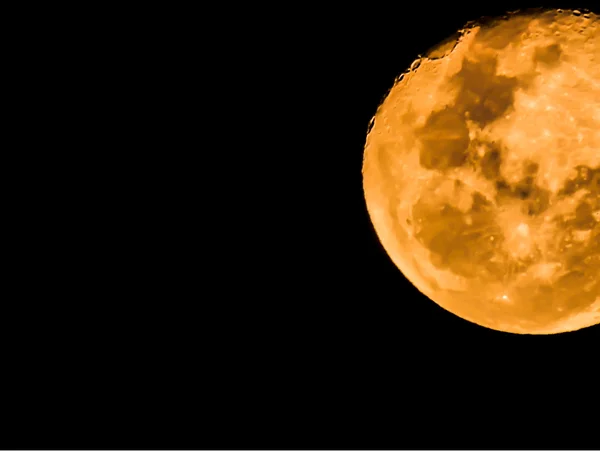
column 481, row 172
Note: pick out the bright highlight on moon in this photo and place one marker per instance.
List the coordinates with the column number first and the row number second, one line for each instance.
column 481, row 172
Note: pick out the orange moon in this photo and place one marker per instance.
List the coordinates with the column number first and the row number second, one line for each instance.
column 481, row 172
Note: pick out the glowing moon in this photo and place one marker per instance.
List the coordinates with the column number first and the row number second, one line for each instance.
column 481, row 173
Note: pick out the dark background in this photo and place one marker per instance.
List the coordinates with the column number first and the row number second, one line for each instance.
column 200, row 303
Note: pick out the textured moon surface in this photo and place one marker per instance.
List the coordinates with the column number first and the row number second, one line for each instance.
column 481, row 172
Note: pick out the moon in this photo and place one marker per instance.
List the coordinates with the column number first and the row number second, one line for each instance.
column 481, row 172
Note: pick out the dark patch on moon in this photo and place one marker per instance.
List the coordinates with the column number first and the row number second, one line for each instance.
column 480, row 203
column 585, row 178
column 491, row 161
column 440, row 227
column 584, row 220
column 537, row 201
column 455, row 244
column 503, row 189
column 524, row 188
column 445, row 140
column 594, row 185
column 531, row 168
column 549, row 55
column 483, row 95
